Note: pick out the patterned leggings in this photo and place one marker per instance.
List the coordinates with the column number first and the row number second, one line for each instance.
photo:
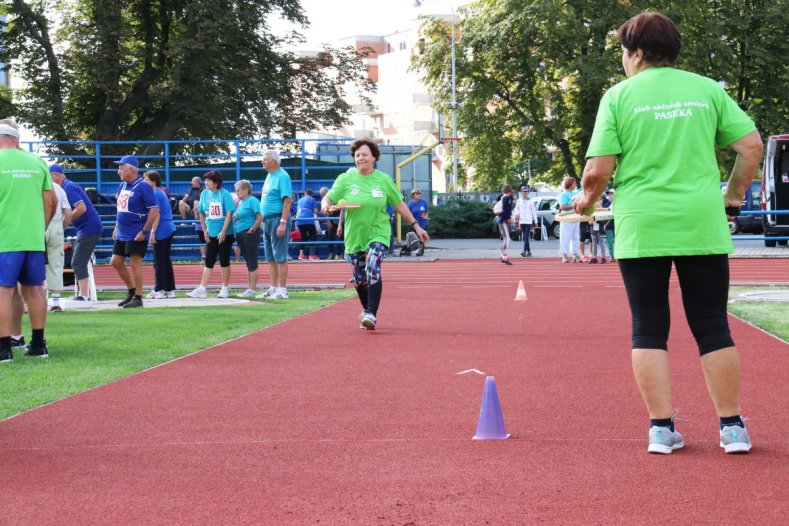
column 367, row 275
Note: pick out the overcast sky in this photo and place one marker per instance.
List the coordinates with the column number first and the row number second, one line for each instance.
column 331, row 20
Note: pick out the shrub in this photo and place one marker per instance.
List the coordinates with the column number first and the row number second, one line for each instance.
column 460, row 218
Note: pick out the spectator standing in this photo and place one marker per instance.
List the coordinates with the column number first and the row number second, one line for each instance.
column 421, row 212
column 247, row 224
column 216, row 209
column 568, row 232
column 87, row 222
column 333, row 234
column 54, row 236
column 608, row 202
column 307, row 210
column 25, row 206
column 367, row 228
column 277, row 201
column 666, row 168
column 137, row 213
column 161, row 237
column 186, row 206
column 526, row 217
column 504, row 220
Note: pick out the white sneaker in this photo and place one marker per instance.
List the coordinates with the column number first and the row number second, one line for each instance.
column 151, row 295
column 198, row 293
column 369, row 321
column 249, row 293
column 159, row 295
column 280, row 294
column 170, row 294
column 223, row 293
column 267, row 294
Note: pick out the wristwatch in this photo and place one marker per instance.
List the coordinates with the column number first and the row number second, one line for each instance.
column 414, row 223
column 283, row 220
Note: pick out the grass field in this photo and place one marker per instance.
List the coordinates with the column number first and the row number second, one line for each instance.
column 88, row 349
column 770, row 316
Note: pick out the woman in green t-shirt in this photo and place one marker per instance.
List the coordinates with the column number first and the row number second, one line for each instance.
column 660, row 128
column 367, row 230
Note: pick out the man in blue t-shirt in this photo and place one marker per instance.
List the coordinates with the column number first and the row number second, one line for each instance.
column 420, row 211
column 86, row 221
column 137, row 212
column 276, row 201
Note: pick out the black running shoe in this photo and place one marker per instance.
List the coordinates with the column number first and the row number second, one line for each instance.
column 40, row 352
column 17, row 343
column 127, row 299
column 136, row 302
column 6, row 356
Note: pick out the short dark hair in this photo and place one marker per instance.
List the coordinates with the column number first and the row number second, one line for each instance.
column 154, row 176
column 653, row 33
column 358, row 143
column 308, row 191
column 214, row 176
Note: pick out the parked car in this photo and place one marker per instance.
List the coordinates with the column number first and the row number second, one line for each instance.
column 775, row 189
column 751, row 201
column 547, row 208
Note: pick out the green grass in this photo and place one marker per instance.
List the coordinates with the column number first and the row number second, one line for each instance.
column 88, row 349
column 770, row 316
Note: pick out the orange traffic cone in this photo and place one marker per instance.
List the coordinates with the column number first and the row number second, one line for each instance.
column 521, row 294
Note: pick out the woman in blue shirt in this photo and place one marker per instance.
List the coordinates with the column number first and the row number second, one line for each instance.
column 248, row 219
column 216, row 209
column 162, row 239
column 306, row 212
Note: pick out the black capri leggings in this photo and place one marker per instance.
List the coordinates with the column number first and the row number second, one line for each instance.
column 704, row 282
column 215, row 249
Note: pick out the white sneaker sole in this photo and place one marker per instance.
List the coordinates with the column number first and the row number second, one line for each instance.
column 737, row 447
column 664, row 450
column 197, row 296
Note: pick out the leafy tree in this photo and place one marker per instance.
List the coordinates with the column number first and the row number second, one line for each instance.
column 460, row 218
column 531, row 72
column 171, row 69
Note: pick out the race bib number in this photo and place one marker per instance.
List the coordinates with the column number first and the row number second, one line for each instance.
column 215, row 210
column 123, row 200
column 377, row 192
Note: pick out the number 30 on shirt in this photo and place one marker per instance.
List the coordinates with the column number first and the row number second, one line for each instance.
column 214, row 210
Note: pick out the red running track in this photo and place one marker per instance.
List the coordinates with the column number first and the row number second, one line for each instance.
column 350, row 427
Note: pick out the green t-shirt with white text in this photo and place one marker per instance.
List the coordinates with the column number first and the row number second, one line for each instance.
column 23, row 178
column 664, row 125
column 370, row 223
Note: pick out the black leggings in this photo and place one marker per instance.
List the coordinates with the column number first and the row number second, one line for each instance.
column 704, row 282
column 222, row 250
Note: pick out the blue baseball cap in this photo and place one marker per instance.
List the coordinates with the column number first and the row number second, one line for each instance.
column 55, row 167
column 128, row 159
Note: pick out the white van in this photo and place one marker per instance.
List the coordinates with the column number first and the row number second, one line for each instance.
column 775, row 189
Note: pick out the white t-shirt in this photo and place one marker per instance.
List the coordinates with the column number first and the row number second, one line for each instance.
column 62, row 201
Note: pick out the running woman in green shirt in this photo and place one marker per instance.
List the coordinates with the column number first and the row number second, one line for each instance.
column 367, row 229
column 660, row 128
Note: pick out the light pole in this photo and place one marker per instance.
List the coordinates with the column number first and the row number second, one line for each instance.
column 453, row 104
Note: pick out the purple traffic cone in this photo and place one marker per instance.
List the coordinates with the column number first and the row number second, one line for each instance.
column 491, row 421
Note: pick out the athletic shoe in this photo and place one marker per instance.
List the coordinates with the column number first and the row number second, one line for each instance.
column 369, row 321
column 302, row 257
column 170, row 294
column 576, row 259
column 55, row 308
column 223, row 293
column 127, row 299
column 135, row 303
column 249, row 293
column 6, row 356
column 79, row 298
column 198, row 293
column 593, row 260
column 735, row 439
column 505, row 261
column 279, row 295
column 663, row 440
column 17, row 343
column 40, row 352
column 564, row 259
column 602, row 260
column 314, row 258
column 523, row 254
column 151, row 295
column 264, row 295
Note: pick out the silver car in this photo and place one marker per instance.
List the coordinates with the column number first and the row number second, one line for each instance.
column 547, row 207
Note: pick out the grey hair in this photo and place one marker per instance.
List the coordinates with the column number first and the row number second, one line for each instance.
column 243, row 184
column 9, row 128
column 195, row 178
column 273, row 155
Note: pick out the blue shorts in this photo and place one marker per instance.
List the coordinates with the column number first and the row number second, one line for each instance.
column 275, row 248
column 27, row 268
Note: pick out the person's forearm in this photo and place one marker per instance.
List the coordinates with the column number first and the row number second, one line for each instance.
column 742, row 175
column 153, row 217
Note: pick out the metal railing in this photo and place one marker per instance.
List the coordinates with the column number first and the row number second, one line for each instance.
column 762, row 237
